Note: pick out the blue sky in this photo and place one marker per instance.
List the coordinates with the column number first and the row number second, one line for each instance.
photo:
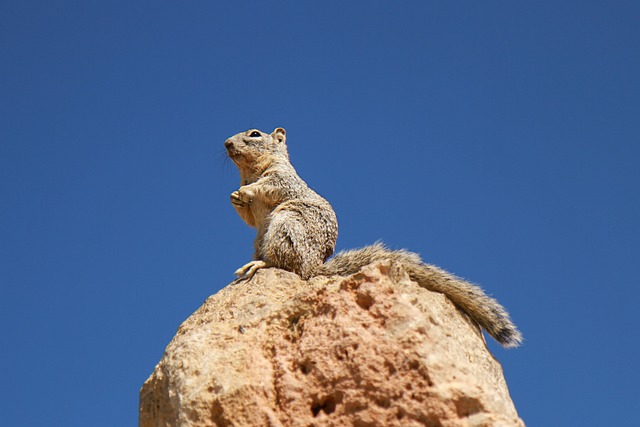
column 498, row 139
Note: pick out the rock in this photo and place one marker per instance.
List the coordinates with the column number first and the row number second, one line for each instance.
column 372, row 349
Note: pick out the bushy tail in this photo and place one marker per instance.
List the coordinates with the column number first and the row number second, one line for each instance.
column 483, row 309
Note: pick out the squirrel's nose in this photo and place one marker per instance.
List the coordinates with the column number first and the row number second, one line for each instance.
column 228, row 143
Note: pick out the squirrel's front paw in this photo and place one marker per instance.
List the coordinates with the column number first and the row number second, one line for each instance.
column 236, row 200
column 241, row 199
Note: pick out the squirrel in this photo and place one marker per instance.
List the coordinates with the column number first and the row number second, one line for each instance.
column 297, row 231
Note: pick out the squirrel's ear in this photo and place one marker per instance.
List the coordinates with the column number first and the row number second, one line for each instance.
column 280, row 134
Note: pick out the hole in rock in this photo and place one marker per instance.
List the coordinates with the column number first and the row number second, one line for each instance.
column 364, row 300
column 326, row 405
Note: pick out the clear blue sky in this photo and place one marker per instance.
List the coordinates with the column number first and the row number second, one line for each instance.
column 501, row 140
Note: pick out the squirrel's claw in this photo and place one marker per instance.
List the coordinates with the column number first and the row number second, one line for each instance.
column 247, row 271
column 237, row 200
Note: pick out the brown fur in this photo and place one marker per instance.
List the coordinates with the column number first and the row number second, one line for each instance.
column 297, row 231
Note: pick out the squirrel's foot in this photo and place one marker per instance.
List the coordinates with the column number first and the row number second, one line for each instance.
column 247, row 271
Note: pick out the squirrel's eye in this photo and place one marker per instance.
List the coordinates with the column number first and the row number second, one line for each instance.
column 255, row 134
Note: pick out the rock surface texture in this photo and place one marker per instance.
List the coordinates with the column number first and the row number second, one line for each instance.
column 372, row 349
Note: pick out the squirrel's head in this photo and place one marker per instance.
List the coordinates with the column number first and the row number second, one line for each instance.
column 254, row 149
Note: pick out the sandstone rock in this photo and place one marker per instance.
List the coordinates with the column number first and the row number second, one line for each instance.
column 373, row 349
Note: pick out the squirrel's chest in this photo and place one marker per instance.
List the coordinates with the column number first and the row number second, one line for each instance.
column 261, row 212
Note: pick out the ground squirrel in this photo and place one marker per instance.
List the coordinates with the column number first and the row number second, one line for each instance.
column 297, row 231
